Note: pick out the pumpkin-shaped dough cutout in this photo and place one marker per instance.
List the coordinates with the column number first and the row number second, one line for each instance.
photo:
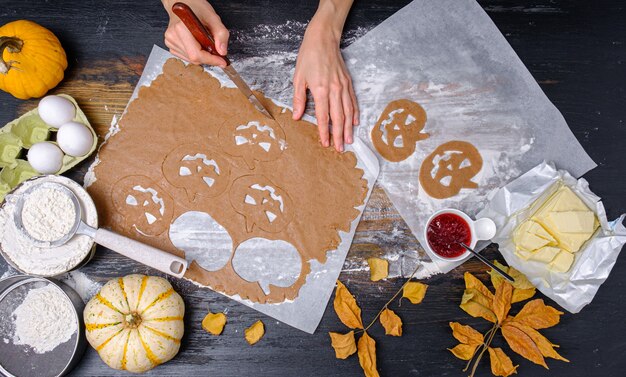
column 449, row 169
column 261, row 202
column 253, row 141
column 135, row 322
column 398, row 128
column 198, row 169
column 144, row 205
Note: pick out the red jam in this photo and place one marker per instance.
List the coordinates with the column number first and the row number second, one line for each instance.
column 445, row 231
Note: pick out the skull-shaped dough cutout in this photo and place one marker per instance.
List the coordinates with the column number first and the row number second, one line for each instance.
column 450, row 168
column 398, row 129
column 261, row 202
column 198, row 169
column 253, row 141
column 145, row 206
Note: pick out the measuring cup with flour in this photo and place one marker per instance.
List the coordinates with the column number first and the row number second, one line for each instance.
column 49, row 214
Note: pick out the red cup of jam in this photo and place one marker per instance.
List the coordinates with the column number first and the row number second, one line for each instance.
column 446, row 229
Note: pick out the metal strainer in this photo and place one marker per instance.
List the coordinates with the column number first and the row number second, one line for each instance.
column 140, row 252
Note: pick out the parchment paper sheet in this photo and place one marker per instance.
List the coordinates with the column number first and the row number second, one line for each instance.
column 306, row 311
column 448, row 56
column 576, row 288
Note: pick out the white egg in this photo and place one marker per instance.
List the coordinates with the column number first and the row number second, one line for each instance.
column 56, row 110
column 45, row 157
column 75, row 139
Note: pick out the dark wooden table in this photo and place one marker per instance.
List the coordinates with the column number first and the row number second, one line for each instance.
column 576, row 51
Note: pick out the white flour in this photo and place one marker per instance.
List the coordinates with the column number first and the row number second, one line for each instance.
column 82, row 284
column 48, row 214
column 44, row 320
column 45, row 261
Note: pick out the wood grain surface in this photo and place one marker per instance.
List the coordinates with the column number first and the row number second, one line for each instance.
column 576, row 51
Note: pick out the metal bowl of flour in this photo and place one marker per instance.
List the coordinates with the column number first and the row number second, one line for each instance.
column 18, row 360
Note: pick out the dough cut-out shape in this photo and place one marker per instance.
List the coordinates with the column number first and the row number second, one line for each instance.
column 323, row 188
column 398, row 128
column 261, row 202
column 143, row 204
column 197, row 168
column 450, row 168
column 202, row 239
column 255, row 140
column 268, row 263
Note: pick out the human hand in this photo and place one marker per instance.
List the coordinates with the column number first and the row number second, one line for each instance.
column 181, row 42
column 321, row 69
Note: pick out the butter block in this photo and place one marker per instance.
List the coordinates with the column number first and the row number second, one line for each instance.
column 565, row 200
column 562, row 262
column 530, row 241
column 523, row 254
column 573, row 221
column 546, row 254
column 572, row 242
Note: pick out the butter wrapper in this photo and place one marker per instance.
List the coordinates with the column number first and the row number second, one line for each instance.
column 512, row 204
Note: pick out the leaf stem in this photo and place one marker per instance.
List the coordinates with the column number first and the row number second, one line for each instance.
column 485, row 346
column 391, row 299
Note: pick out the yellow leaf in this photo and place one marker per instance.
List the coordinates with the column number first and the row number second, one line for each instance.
column 522, row 344
column 502, row 301
column 538, row 315
column 414, row 291
column 477, row 305
column 475, row 295
column 464, row 351
column 472, row 282
column 367, row 355
column 522, row 294
column 346, row 307
column 379, row 268
column 523, row 288
column 214, row 323
column 466, row 334
column 391, row 322
column 545, row 346
column 255, row 332
column 501, row 364
column 343, row 344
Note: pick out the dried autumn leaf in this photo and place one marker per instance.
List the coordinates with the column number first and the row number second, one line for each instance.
column 344, row 344
column 379, row 268
column 255, row 332
column 464, row 351
column 522, row 344
column 346, row 307
column 502, row 301
column 523, row 287
column 367, row 355
column 214, row 323
column 414, row 291
column 470, row 340
column 538, row 315
column 477, row 305
column 472, row 282
column 545, row 346
column 466, row 334
column 391, row 322
column 501, row 364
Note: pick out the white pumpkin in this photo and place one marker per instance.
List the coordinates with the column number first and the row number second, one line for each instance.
column 135, row 322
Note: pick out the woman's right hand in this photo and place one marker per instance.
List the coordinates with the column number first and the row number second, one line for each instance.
column 182, row 44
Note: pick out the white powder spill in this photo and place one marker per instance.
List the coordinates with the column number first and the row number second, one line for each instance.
column 44, row 320
column 81, row 283
column 48, row 214
column 45, row 261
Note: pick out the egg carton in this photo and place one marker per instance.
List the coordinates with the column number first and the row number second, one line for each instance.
column 18, row 136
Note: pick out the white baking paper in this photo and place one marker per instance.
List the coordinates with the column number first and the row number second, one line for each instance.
column 509, row 206
column 306, row 311
column 448, row 56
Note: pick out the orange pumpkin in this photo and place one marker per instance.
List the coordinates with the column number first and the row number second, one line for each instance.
column 32, row 60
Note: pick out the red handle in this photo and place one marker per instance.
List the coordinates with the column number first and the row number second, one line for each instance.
column 197, row 29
